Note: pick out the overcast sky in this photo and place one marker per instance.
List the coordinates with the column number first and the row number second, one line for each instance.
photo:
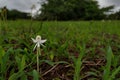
column 116, row 3
column 25, row 5
column 22, row 5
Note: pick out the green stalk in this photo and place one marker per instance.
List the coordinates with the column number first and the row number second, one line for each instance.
column 38, row 53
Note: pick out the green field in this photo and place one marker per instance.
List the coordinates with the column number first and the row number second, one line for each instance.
column 74, row 50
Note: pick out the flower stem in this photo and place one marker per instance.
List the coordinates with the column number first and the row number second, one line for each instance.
column 38, row 53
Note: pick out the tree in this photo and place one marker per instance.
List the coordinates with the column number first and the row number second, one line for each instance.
column 114, row 16
column 71, row 10
column 12, row 14
column 15, row 14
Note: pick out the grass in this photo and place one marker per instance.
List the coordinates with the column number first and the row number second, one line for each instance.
column 86, row 50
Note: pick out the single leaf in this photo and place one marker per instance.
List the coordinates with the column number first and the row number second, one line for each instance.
column 35, row 75
column 22, row 63
column 15, row 76
column 115, row 72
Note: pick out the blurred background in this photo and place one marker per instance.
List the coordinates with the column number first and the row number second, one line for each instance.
column 61, row 9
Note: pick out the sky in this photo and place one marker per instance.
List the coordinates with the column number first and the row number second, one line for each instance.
column 25, row 5
column 104, row 3
column 21, row 5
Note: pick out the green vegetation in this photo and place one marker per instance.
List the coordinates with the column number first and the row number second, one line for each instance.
column 74, row 50
column 73, row 10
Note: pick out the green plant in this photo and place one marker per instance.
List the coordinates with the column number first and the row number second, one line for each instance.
column 78, row 63
column 38, row 42
column 108, row 73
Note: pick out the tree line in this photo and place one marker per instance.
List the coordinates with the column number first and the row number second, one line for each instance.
column 67, row 10
column 73, row 10
column 12, row 14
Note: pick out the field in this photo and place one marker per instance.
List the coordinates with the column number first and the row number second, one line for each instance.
column 74, row 50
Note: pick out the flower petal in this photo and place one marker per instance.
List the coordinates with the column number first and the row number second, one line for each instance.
column 34, row 47
column 42, row 45
column 34, row 40
column 42, row 41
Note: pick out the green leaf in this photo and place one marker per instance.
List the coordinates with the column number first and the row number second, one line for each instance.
column 18, row 61
column 35, row 75
column 115, row 72
column 91, row 74
column 51, row 56
column 15, row 76
column 52, row 63
column 78, row 63
column 108, row 64
column 23, row 77
column 22, row 66
column 2, row 53
column 61, row 62
column 48, row 62
column 4, row 60
column 12, row 71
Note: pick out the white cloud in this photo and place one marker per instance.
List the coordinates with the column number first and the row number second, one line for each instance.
column 22, row 5
column 104, row 3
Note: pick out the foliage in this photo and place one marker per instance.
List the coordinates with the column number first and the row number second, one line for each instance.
column 114, row 16
column 15, row 14
column 72, row 10
column 78, row 63
column 108, row 74
column 74, row 50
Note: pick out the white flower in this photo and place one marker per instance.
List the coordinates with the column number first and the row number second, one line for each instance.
column 38, row 41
